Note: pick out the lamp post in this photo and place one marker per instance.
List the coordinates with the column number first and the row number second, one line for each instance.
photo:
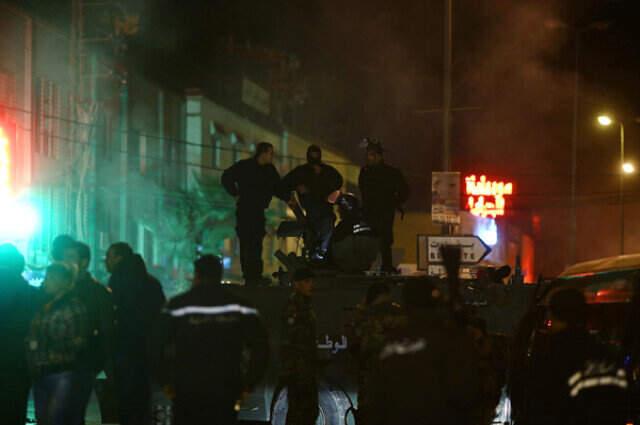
column 625, row 168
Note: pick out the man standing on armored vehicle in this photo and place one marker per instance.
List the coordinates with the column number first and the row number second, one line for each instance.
column 314, row 182
column 252, row 182
column 299, row 352
column 384, row 190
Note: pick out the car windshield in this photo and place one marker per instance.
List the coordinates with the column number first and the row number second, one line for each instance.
column 608, row 296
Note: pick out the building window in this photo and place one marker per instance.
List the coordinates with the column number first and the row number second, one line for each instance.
column 48, row 117
column 146, row 244
column 143, row 154
column 7, row 89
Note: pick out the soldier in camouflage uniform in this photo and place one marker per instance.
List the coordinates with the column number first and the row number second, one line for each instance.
column 374, row 321
column 299, row 352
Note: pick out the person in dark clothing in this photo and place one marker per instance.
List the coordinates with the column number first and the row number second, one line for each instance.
column 17, row 308
column 427, row 371
column 138, row 301
column 376, row 320
column 384, row 190
column 573, row 379
column 314, row 182
column 99, row 304
column 55, row 346
column 252, row 182
column 354, row 246
column 299, row 352
column 59, row 246
column 215, row 348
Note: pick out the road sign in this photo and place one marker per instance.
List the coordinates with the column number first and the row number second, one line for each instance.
column 445, row 197
column 466, row 272
column 473, row 249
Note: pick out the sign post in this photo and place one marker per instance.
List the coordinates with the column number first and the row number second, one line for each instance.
column 445, row 197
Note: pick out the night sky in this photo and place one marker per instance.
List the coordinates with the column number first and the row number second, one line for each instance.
column 374, row 68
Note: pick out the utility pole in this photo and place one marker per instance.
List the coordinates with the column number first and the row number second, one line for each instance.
column 573, row 225
column 446, row 104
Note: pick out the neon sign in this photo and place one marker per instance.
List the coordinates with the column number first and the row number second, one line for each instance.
column 486, row 198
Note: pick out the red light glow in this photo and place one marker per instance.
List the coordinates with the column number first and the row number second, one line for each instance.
column 486, row 198
column 5, row 163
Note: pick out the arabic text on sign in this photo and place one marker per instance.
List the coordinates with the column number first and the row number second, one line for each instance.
column 486, row 198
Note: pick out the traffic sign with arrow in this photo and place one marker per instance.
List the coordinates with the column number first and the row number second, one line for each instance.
column 472, row 249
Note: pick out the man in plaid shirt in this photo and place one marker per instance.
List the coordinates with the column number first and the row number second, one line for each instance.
column 55, row 345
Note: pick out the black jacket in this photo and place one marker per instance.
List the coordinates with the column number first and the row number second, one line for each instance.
column 18, row 305
column 319, row 186
column 428, row 375
column 212, row 344
column 138, row 300
column 254, row 184
column 382, row 187
column 555, row 359
column 99, row 304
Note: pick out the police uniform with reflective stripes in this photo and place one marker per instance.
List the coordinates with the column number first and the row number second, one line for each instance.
column 215, row 347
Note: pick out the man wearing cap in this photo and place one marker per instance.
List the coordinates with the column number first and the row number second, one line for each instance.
column 314, row 182
column 384, row 190
column 299, row 352
column 214, row 348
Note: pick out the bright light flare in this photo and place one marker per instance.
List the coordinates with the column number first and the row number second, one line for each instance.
column 628, row 168
column 605, row 120
column 18, row 220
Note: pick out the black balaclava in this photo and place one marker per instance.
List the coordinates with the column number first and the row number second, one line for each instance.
column 314, row 155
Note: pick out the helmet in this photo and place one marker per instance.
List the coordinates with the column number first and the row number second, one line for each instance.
column 348, row 203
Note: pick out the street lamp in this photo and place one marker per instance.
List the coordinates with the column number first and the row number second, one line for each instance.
column 626, row 168
column 605, row 120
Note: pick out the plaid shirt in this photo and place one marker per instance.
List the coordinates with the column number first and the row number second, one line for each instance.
column 58, row 336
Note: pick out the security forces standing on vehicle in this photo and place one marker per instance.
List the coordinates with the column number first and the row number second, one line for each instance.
column 215, row 349
column 252, row 182
column 299, row 352
column 373, row 325
column 314, row 182
column 384, row 190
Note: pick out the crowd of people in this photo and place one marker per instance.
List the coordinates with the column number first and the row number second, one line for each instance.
column 427, row 361
column 61, row 336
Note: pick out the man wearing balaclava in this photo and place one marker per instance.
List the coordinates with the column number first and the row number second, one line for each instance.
column 314, row 182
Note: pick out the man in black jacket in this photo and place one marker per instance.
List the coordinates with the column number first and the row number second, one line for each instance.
column 573, row 378
column 383, row 190
column 215, row 347
column 99, row 304
column 138, row 300
column 252, row 182
column 17, row 308
column 314, row 182
column 428, row 372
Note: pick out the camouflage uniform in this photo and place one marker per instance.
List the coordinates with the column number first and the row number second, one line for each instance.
column 299, row 356
column 371, row 329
